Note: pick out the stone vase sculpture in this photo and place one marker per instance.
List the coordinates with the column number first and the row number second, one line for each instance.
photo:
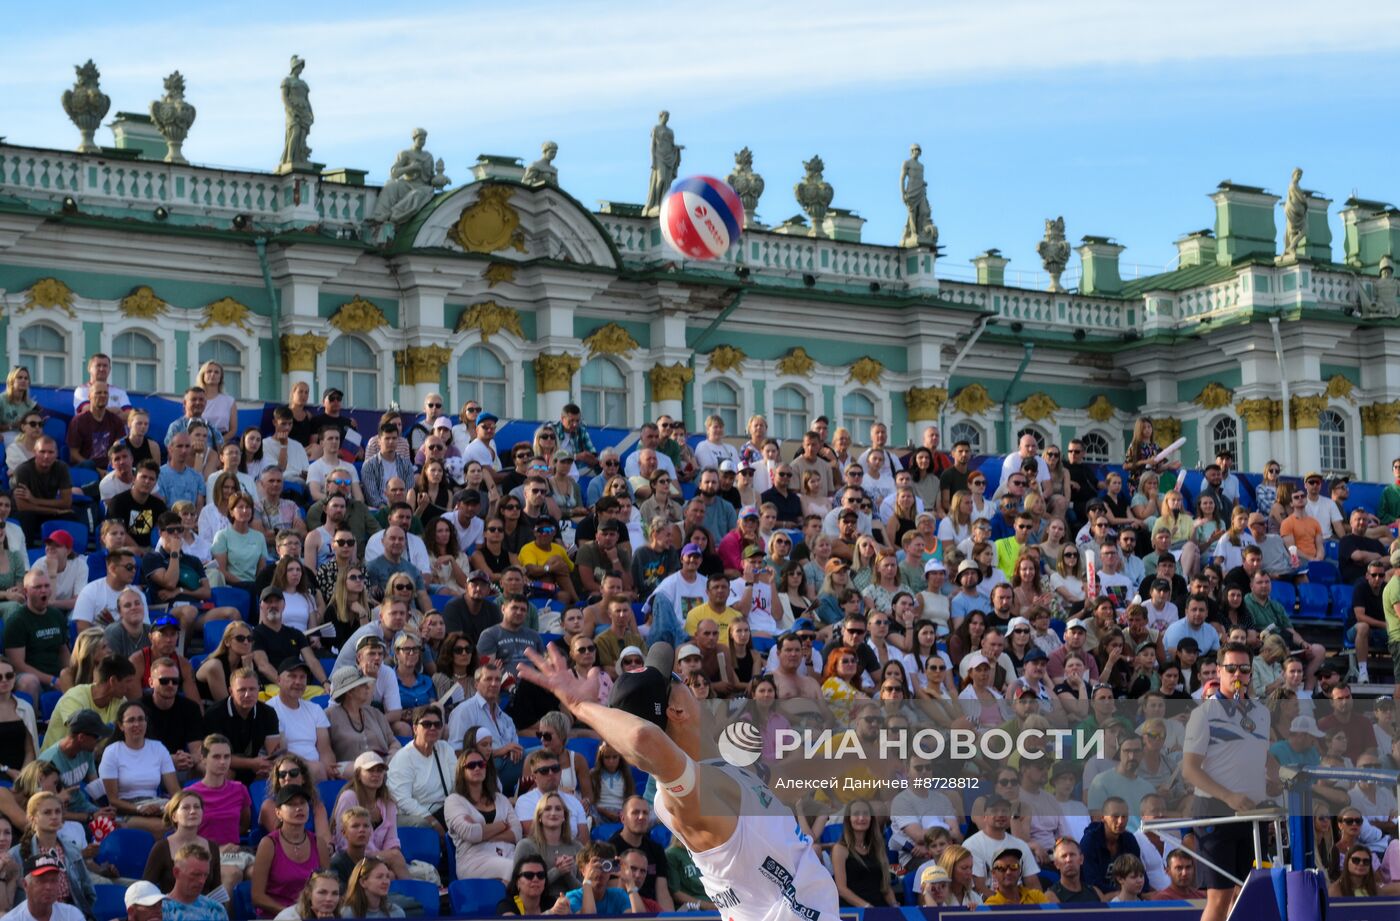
column 747, row 184
column 814, row 194
column 173, row 117
column 87, row 105
column 1054, row 251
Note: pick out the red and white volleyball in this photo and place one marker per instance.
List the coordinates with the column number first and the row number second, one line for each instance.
column 701, row 217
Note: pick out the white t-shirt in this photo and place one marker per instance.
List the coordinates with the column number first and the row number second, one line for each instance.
column 681, row 594
column 61, row 911
column 245, row 482
column 709, row 454
column 320, row 469
column 96, row 597
column 985, row 849
column 117, row 398
column 112, row 486
column 297, row 611
column 297, row 460
column 299, row 727
column 467, row 537
column 632, row 465
column 137, row 772
column 1012, row 464
column 1326, row 512
column 927, row 809
column 761, row 616
column 483, row 452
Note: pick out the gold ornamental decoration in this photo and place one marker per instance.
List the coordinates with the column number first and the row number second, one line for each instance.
column 358, row 315
column 299, row 351
column 49, row 294
column 1305, row 410
column 489, row 224
column 1261, row 415
column 973, row 400
column 421, row 364
column 490, row 318
column 726, row 358
column 1381, row 418
column 498, row 272
column 142, row 304
column 1214, row 395
column 668, row 381
column 610, row 339
column 227, row 312
column 796, row 363
column 1038, row 406
column 925, row 403
column 1166, row 430
column 867, row 371
column 1339, row 388
column 1101, row 410
column 555, row 372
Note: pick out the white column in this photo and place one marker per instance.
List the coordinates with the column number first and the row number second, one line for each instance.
column 1307, row 455
column 551, row 404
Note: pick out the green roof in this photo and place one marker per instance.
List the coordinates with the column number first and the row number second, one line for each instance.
column 1179, row 279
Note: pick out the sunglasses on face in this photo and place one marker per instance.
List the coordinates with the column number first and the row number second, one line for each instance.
column 532, row 874
column 1351, row 820
column 289, row 772
column 631, row 660
column 475, row 765
column 430, row 724
column 547, row 769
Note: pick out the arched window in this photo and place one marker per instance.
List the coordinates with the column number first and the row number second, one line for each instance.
column 790, row 414
column 1095, row 447
column 353, row 369
column 1224, row 436
column 135, row 363
column 44, row 351
column 604, row 396
column 230, row 357
column 1332, row 440
column 1037, row 434
column 966, row 431
column 481, row 376
column 857, row 412
column 720, row 398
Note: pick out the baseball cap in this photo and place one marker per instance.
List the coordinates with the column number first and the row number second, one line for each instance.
column 1015, row 622
column 1306, row 724
column 688, row 650
column 1076, row 624
column 367, row 760
column 752, row 550
column 271, row 592
column 61, row 538
column 289, row 793
column 934, row 566
column 975, row 659
column 932, row 873
column 630, row 651
column 1035, row 654
column 1161, row 585
column 145, row 893
column 690, row 549
column 647, row 692
column 847, row 514
column 370, row 639
column 466, row 497
column 165, row 622
column 333, row 393
column 88, row 722
column 1312, row 475
column 727, row 466
column 748, row 511
column 833, row 564
column 41, row 863
column 476, row 575
column 804, row 625
column 616, row 527
column 291, row 664
column 442, row 422
column 487, row 417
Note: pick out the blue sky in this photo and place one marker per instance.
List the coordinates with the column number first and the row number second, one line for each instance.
column 1120, row 116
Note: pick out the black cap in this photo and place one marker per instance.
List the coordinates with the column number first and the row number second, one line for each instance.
column 289, row 793
column 646, row 693
column 271, row 592
column 466, row 497
column 333, row 393
column 292, row 663
column 1161, row 585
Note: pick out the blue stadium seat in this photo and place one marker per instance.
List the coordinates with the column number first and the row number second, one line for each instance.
column 35, row 554
column 440, row 601
column 831, row 833
column 213, row 633
column 322, row 700
column 1285, row 595
column 605, row 830
column 475, row 896
column 762, row 644
column 1314, row 599
column 1323, row 572
column 424, row 893
column 47, row 701
column 586, row 747
column 1363, row 495
column 420, row 844
column 1341, row 601
column 127, row 849
column 230, row 596
column 328, row 791
column 660, row 834
column 241, row 904
column 79, row 532
column 257, row 790
column 110, row 902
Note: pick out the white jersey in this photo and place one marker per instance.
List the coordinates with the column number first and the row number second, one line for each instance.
column 768, row 869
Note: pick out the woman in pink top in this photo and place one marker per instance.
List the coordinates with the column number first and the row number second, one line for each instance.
column 366, row 788
column 288, row 856
column 228, row 810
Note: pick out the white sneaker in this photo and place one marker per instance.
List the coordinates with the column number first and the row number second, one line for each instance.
column 1362, row 676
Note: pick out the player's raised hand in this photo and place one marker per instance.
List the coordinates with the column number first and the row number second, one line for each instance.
column 552, row 673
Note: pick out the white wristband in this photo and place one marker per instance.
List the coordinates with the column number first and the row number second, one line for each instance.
column 683, row 785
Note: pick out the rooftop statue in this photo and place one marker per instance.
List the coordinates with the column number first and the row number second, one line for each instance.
column 1295, row 214
column 814, row 194
column 747, row 184
column 86, row 104
column 1054, row 251
column 1385, row 303
column 413, row 180
column 296, row 100
column 665, row 163
column 543, row 171
column 173, row 117
column 919, row 230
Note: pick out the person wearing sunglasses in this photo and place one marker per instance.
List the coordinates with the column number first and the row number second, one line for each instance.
column 394, row 575
column 422, row 429
column 525, row 890
column 547, row 562
column 420, row 773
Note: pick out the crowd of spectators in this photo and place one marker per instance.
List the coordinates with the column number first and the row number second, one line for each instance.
column 332, row 621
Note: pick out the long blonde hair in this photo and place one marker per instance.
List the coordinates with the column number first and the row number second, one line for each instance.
column 85, row 656
column 356, row 899
column 953, row 855
column 566, row 834
column 303, row 903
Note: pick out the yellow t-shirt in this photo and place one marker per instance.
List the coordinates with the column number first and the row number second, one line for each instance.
column 532, row 555
column 1027, row 897
column 703, row 611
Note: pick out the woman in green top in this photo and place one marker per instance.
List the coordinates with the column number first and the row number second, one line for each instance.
column 239, row 551
column 17, row 401
column 13, row 563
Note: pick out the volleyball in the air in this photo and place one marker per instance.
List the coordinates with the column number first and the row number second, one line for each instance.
column 701, row 217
